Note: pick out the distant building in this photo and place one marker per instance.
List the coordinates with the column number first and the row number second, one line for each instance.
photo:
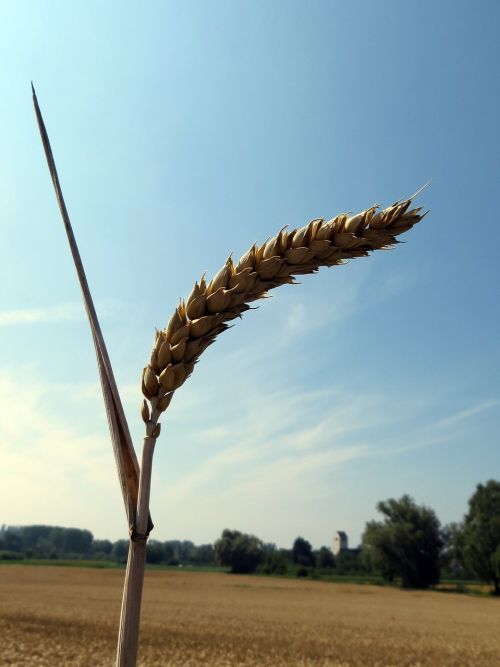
column 340, row 542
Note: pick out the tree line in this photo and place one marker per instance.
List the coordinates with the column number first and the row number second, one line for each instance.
column 408, row 545
column 54, row 542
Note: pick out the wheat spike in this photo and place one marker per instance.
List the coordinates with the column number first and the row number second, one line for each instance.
column 197, row 321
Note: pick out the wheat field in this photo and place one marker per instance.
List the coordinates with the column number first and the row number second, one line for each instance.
column 69, row 616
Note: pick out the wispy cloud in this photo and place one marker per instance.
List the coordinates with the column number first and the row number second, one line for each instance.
column 278, row 448
column 69, row 312
column 291, row 469
column 342, row 296
column 394, row 284
column 64, row 312
column 225, row 459
column 462, row 415
column 301, row 316
column 47, row 454
column 274, row 438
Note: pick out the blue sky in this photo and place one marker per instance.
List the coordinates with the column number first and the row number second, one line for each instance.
column 185, row 131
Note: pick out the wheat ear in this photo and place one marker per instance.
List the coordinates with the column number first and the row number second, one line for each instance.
column 197, row 321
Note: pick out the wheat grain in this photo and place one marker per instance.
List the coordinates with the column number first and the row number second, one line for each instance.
column 206, row 619
column 197, row 321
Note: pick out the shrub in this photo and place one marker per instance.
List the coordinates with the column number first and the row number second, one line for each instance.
column 10, row 555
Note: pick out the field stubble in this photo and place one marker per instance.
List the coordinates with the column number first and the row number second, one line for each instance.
column 68, row 616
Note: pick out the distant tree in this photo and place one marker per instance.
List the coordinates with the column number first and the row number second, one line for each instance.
column 44, row 548
column 350, row 562
column 12, row 539
column 275, row 562
column 182, row 551
column 119, row 552
column 481, row 533
column 10, row 555
column 32, row 537
column 102, row 547
column 406, row 544
column 203, row 555
column 452, row 561
column 302, row 553
column 287, row 555
column 169, row 554
column 154, row 552
column 54, row 540
column 186, row 551
column 77, row 541
column 325, row 559
column 54, row 534
column 241, row 552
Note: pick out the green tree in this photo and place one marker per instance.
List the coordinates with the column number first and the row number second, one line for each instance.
column 77, row 541
column 33, row 536
column 275, row 562
column 452, row 561
column 481, row 533
column 45, row 549
column 119, row 551
column 203, row 555
column 12, row 539
column 154, row 552
column 325, row 559
column 169, row 554
column 241, row 552
column 406, row 544
column 349, row 562
column 102, row 548
column 302, row 553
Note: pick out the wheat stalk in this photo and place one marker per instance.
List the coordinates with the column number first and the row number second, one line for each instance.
column 198, row 321
column 205, row 314
column 194, row 326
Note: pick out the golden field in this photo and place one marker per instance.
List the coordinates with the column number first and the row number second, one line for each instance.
column 69, row 616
